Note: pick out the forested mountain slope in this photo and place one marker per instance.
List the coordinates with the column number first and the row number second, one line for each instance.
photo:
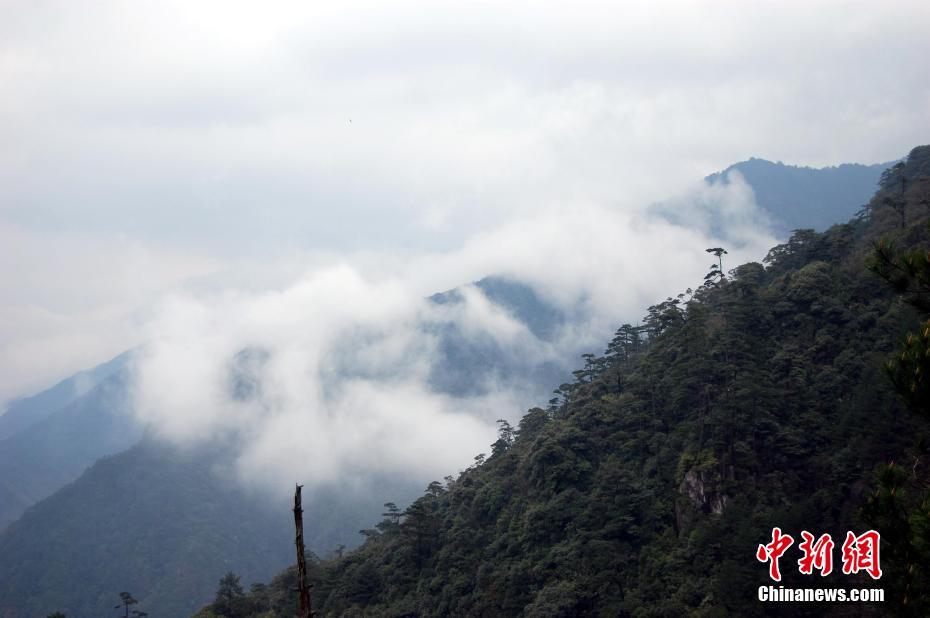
column 55, row 448
column 47, row 440
column 27, row 411
column 108, row 542
column 164, row 525
column 759, row 400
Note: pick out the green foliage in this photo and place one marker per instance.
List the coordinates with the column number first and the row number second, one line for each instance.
column 900, row 505
column 152, row 521
column 230, row 588
column 757, row 400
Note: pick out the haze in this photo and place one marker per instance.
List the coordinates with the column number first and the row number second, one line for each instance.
column 215, row 175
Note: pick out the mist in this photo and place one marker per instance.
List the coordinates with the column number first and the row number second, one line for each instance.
column 329, row 378
column 291, row 182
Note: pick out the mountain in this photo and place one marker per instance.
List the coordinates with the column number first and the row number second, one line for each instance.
column 49, row 439
column 164, row 524
column 152, row 521
column 21, row 413
column 81, row 423
column 55, row 448
column 90, row 422
column 762, row 400
column 519, row 300
column 805, row 197
column 468, row 364
column 167, row 517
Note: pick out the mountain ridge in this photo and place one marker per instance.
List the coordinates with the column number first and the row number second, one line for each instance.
column 800, row 197
column 758, row 400
column 520, row 301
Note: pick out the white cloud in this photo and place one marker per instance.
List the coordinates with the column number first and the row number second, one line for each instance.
column 213, row 175
column 72, row 300
column 340, row 362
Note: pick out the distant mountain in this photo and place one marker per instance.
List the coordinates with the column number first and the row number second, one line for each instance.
column 165, row 524
column 21, row 413
column 56, row 447
column 519, row 300
column 154, row 522
column 468, row 364
column 805, row 197
column 161, row 523
column 46, row 441
column 49, row 439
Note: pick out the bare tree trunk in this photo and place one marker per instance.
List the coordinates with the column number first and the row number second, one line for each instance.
column 303, row 586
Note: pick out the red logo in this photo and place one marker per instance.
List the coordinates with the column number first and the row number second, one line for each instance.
column 773, row 551
column 817, row 555
column 860, row 553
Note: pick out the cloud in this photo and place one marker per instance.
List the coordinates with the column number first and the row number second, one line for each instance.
column 215, row 177
column 72, row 300
column 462, row 116
column 327, row 379
column 331, row 377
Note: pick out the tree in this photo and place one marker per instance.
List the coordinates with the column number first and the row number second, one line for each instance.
column 421, row 527
column 799, row 250
column 716, row 270
column 909, row 275
column 303, row 585
column 627, row 341
column 391, row 521
column 392, row 512
column 505, row 435
column 719, row 252
column 900, row 505
column 125, row 601
column 229, row 588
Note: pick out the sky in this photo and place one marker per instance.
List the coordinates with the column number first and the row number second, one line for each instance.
column 176, row 171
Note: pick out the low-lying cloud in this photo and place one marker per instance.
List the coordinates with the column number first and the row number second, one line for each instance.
column 275, row 190
column 330, row 378
column 151, row 147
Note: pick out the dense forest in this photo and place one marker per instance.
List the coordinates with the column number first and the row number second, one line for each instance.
column 769, row 396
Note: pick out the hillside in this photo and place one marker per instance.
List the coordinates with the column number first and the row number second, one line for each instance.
column 759, row 400
column 47, row 440
column 53, row 448
column 26, row 411
column 140, row 521
column 468, row 364
column 804, row 197
column 163, row 525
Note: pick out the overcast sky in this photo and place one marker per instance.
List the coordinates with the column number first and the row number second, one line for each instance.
column 155, row 149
